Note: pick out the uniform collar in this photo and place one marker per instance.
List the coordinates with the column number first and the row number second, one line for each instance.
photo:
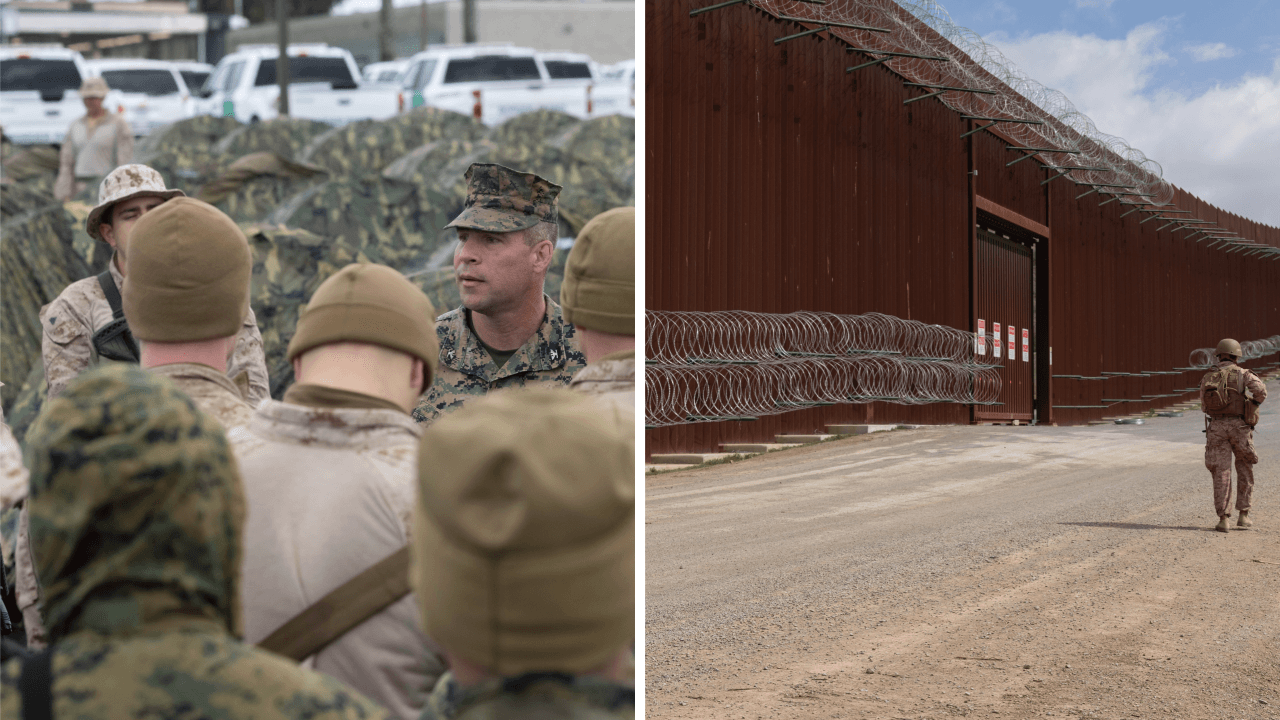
column 544, row 350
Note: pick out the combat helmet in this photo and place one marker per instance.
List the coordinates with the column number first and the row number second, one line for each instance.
column 1229, row 347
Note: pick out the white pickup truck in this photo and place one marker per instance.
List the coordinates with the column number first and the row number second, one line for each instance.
column 40, row 92
column 323, row 86
column 491, row 83
column 154, row 93
column 575, row 70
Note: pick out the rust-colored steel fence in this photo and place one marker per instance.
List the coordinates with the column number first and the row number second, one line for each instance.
column 777, row 182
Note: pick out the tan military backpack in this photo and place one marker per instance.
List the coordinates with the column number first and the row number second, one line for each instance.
column 1223, row 391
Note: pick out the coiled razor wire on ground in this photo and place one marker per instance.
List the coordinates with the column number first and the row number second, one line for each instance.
column 957, row 57
column 1252, row 349
column 738, row 365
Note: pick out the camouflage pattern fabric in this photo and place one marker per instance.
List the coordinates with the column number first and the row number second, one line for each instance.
column 538, row 695
column 606, row 142
column 254, row 186
column 532, row 130
column 213, row 392
column 36, row 167
column 368, row 146
column 283, row 136
column 552, row 355
column 501, row 199
column 424, row 164
column 612, row 379
column 201, row 131
column 17, row 199
column 136, row 513
column 1227, row 437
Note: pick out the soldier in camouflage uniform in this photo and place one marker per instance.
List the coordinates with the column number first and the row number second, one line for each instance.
column 508, row 332
column 524, row 557
column 185, row 296
column 71, row 321
column 598, row 296
column 1228, row 434
column 136, row 513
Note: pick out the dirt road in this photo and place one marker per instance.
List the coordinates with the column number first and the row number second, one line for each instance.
column 991, row 571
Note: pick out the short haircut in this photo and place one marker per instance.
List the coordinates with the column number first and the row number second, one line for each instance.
column 542, row 231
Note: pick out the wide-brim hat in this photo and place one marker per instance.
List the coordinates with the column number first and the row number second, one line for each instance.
column 125, row 183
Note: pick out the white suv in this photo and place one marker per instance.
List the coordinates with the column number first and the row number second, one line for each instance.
column 154, row 93
column 492, row 83
column 40, row 92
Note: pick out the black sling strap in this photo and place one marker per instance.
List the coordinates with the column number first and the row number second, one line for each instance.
column 108, row 286
column 113, row 341
column 36, row 685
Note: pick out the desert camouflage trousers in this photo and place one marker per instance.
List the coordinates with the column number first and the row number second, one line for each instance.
column 1227, row 437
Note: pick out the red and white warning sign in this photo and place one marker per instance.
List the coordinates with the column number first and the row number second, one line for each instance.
column 995, row 339
column 1026, row 345
column 1012, row 334
column 982, row 337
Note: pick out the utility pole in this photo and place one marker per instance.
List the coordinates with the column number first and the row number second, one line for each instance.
column 282, row 62
column 469, row 21
column 422, row 29
column 385, row 51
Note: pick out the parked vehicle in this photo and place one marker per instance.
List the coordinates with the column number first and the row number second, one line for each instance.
column 385, row 74
column 323, row 86
column 153, row 93
column 194, row 74
column 40, row 92
column 492, row 83
column 620, row 81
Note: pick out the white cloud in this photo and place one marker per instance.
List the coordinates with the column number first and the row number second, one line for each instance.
column 1221, row 145
column 1211, row 51
column 1104, row 4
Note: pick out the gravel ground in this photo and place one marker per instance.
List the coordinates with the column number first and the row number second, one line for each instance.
column 967, row 570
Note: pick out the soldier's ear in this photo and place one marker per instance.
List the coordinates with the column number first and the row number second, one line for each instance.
column 297, row 368
column 542, row 254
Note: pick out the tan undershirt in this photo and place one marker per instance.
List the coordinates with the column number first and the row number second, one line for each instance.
column 323, row 396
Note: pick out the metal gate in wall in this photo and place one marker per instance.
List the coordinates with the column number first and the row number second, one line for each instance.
column 1005, row 322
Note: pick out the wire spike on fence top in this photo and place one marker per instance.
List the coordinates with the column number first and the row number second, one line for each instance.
column 949, row 87
column 717, row 6
column 830, row 24
column 869, row 51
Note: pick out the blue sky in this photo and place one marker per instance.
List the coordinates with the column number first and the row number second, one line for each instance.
column 1194, row 85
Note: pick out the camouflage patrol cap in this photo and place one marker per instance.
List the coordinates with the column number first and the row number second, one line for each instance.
column 125, row 183
column 524, row 543
column 501, row 200
column 599, row 288
column 370, row 303
column 136, row 505
column 1229, row 347
column 187, row 274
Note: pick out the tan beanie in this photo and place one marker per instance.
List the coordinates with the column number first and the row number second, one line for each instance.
column 599, row 288
column 370, row 303
column 187, row 274
column 524, row 534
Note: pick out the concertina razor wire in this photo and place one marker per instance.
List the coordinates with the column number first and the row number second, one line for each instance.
column 1252, row 349
column 738, row 365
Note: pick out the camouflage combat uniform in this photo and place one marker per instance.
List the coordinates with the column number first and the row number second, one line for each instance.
column 535, row 695
column 82, row 309
column 612, row 379
column 136, row 516
column 1229, row 435
column 553, row 354
column 215, row 393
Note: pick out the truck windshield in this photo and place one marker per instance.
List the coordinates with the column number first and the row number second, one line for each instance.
column 491, row 68
column 567, row 70
column 194, row 79
column 308, row 69
column 150, row 82
column 33, row 74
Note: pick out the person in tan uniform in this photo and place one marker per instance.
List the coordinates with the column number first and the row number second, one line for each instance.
column 524, row 557
column 329, row 481
column 1230, row 415
column 508, row 332
column 598, row 297
column 85, row 323
column 95, row 144
column 185, row 296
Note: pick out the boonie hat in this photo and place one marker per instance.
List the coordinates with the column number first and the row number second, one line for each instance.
column 124, row 183
column 94, row 87
column 501, row 200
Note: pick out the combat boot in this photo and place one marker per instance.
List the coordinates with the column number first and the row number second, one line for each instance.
column 1222, row 523
column 1244, row 520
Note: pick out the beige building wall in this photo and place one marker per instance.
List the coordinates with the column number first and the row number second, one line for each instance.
column 603, row 29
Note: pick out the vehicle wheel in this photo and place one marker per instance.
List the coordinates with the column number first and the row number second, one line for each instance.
column 253, row 119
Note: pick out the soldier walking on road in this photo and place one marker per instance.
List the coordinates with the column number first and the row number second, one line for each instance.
column 598, row 296
column 85, row 323
column 524, row 557
column 96, row 143
column 1231, row 416
column 185, row 297
column 329, row 476
column 508, row 332
column 136, row 518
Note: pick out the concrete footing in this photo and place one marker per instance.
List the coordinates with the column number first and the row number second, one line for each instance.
column 859, row 429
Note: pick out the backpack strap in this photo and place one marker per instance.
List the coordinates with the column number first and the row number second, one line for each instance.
column 108, row 285
column 36, row 685
column 355, row 601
